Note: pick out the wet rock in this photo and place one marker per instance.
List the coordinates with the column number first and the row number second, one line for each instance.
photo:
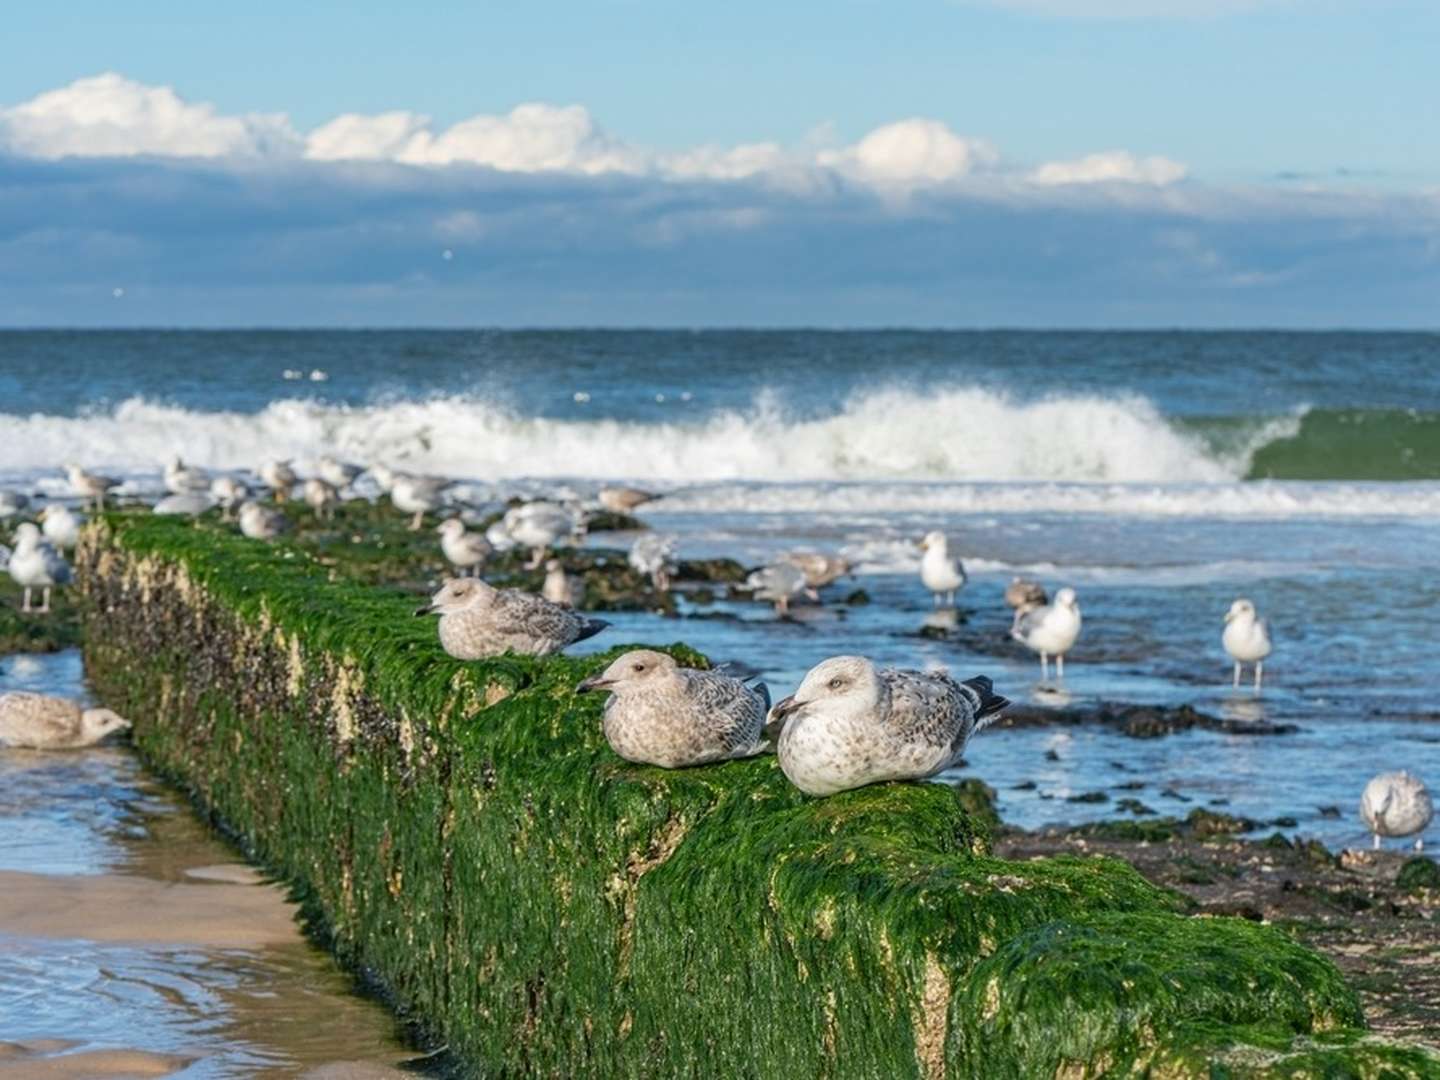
column 1211, row 823
column 1024, row 785
column 1139, row 721
column 1131, row 785
column 1331, row 812
column 1088, row 797
column 1171, row 793
column 1133, row 806
column 858, row 598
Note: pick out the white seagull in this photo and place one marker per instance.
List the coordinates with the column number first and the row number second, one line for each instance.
column 653, row 555
column 61, row 525
column 537, row 525
column 279, row 477
column 778, row 583
column 1397, row 804
column 1050, row 630
column 35, row 564
column 941, row 574
column 466, row 551
column 850, row 724
column 229, row 493
column 182, row 479
column 1246, row 639
column 92, row 487
column 417, row 495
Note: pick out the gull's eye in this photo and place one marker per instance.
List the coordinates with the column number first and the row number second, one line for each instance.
column 638, row 667
column 836, row 683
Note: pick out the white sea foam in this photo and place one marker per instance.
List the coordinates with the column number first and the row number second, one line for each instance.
column 959, row 434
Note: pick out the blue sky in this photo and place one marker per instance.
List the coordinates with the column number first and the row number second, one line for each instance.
column 1021, row 162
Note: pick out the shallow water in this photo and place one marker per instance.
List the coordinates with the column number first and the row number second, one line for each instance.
column 133, row 942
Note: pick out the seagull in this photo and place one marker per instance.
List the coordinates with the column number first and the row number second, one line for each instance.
column 778, row 583
column 851, row 724
column 182, row 479
column 279, row 477
column 61, row 525
column 941, row 574
column 1023, row 594
column 1246, row 639
column 624, row 500
column 819, row 570
column 660, row 713
column 12, row 503
column 651, row 555
column 321, row 497
column 35, row 564
column 229, row 493
column 384, row 477
column 337, row 473
column 499, row 538
column 190, row 503
column 417, row 495
column 537, row 525
column 90, row 486
column 1050, row 630
column 261, row 522
column 41, row 722
column 560, row 587
column 1397, row 804
column 465, row 550
column 478, row 620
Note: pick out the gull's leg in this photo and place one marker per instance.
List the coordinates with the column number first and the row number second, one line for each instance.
column 416, row 520
column 1044, row 667
column 45, row 603
column 26, row 606
column 1060, row 666
column 536, row 559
column 1236, row 683
column 1259, row 672
column 1419, row 843
column 1376, row 845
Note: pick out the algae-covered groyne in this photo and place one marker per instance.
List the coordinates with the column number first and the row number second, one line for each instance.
column 462, row 833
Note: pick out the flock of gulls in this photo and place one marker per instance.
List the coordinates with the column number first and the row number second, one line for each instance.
column 848, row 724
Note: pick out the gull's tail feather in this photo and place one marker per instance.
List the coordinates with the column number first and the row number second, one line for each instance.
column 988, row 704
column 590, row 628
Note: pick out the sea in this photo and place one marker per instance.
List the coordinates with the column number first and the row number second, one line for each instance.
column 1159, row 474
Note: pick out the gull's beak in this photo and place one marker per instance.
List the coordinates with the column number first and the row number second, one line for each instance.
column 785, row 708
column 922, row 544
column 428, row 609
column 595, row 682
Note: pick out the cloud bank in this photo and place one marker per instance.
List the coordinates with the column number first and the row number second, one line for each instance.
column 122, row 204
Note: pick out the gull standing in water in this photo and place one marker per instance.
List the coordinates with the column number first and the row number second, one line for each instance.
column 624, row 500
column 851, row 724
column 1023, row 594
column 61, row 525
column 1397, row 804
column 91, row 487
column 560, row 587
column 34, row 564
column 652, row 555
column 466, row 551
column 660, row 713
column 279, row 477
column 538, row 525
column 478, row 620
column 778, row 583
column 182, row 479
column 41, row 722
column 1050, row 630
column 819, row 570
column 941, row 574
column 1246, row 639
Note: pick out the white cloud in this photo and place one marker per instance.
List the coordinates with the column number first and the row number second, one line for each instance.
column 112, row 116
column 353, row 137
column 911, row 153
column 1112, row 166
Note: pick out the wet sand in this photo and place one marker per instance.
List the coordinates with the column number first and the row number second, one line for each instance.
column 134, row 942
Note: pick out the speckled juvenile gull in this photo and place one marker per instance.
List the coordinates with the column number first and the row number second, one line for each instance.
column 417, row 495
column 182, row 479
column 337, row 473
column 1397, row 804
column 538, row 525
column 653, row 556
column 91, row 487
column 819, row 569
column 229, row 493
column 939, row 573
column 851, row 724
column 61, row 525
column 478, row 620
column 778, row 583
column 662, row 714
column 1246, row 639
column 624, row 500
column 279, row 477
column 464, row 550
column 34, row 563
column 560, row 587
column 261, row 522
column 41, row 722
column 1050, row 630
column 321, row 497
column 1022, row 594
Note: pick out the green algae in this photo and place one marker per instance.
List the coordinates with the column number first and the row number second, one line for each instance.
column 462, row 832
